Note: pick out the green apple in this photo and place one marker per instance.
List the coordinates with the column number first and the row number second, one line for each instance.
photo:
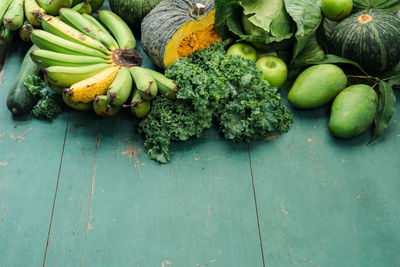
column 244, row 50
column 274, row 70
column 336, row 9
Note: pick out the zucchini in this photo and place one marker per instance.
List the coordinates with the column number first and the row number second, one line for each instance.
column 19, row 100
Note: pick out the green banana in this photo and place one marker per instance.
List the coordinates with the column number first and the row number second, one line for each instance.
column 96, row 4
column 92, row 20
column 25, row 31
column 55, row 88
column 96, row 23
column 145, row 84
column 4, row 4
column 14, row 17
column 75, row 105
column 53, row 6
column 83, row 8
column 119, row 29
column 33, row 12
column 121, row 88
column 67, row 76
column 139, row 107
column 166, row 86
column 46, row 58
column 6, row 35
column 57, row 27
column 76, row 20
column 102, row 107
column 48, row 41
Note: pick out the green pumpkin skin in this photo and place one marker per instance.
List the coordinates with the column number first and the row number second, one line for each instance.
column 353, row 111
column 317, row 86
column 133, row 11
column 370, row 37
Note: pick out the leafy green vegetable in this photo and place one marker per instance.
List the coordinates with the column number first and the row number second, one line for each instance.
column 307, row 15
column 260, row 22
column 311, row 53
column 269, row 24
column 47, row 106
column 36, row 86
column 213, row 86
column 386, row 109
column 171, row 121
column 390, row 5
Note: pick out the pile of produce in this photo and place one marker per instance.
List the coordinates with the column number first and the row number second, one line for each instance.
column 83, row 62
column 224, row 63
column 23, row 15
column 213, row 86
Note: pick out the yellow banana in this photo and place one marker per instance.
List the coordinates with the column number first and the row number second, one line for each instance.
column 85, row 91
column 67, row 76
column 33, row 12
column 75, row 105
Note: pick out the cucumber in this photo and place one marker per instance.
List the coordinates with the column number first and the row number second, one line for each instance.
column 19, row 100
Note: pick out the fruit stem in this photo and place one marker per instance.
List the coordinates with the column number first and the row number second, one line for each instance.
column 362, row 77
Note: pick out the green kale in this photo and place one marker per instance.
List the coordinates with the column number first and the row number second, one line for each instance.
column 213, row 86
column 171, row 121
column 36, row 87
column 47, row 106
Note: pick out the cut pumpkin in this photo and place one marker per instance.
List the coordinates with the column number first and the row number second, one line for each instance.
column 177, row 28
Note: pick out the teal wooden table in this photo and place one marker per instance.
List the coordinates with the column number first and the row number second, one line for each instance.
column 80, row 191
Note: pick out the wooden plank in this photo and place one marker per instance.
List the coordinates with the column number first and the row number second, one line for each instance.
column 115, row 207
column 328, row 202
column 29, row 163
column 71, row 206
column 195, row 211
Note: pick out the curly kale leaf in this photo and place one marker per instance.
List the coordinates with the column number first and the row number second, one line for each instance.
column 36, row 87
column 251, row 118
column 48, row 107
column 171, row 121
column 254, row 109
column 200, row 77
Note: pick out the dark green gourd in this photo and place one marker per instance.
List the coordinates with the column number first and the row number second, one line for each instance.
column 133, row 11
column 19, row 100
column 371, row 38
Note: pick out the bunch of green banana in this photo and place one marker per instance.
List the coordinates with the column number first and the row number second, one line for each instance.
column 94, row 68
column 24, row 15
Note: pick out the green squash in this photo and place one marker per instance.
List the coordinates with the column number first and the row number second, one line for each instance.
column 371, row 38
column 133, row 11
column 177, row 28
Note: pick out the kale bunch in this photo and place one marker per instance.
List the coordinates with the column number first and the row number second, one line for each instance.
column 213, row 86
column 47, row 106
column 171, row 120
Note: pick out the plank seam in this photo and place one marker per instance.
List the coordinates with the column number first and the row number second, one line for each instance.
column 88, row 226
column 55, row 193
column 256, row 206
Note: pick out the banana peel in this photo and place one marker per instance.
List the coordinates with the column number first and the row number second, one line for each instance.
column 85, row 91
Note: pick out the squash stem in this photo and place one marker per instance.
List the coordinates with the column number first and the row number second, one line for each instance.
column 198, row 11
